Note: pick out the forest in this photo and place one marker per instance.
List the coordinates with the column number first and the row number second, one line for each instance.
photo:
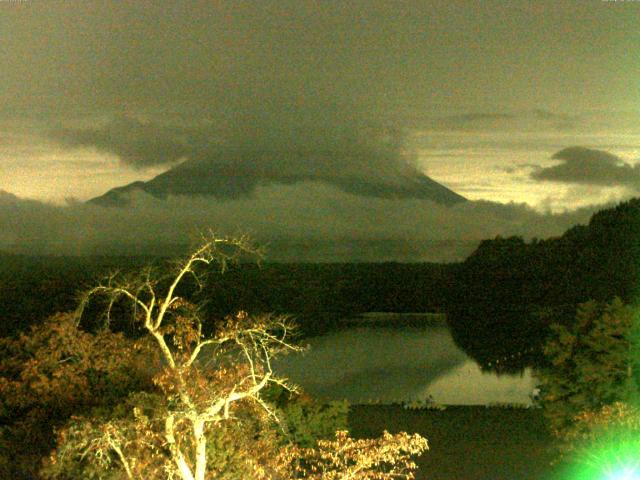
column 506, row 287
column 525, row 304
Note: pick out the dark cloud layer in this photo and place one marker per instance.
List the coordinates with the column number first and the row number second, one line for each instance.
column 328, row 132
column 271, row 148
column 503, row 119
column 138, row 144
column 589, row 167
column 225, row 58
column 308, row 221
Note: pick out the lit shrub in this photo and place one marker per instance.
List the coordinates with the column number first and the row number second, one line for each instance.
column 603, row 443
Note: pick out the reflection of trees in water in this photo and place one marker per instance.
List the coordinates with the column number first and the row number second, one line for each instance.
column 506, row 345
column 468, row 384
column 508, row 292
column 364, row 364
column 392, row 385
column 390, row 365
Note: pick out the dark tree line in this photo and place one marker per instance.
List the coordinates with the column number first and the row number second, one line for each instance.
column 507, row 293
column 318, row 295
column 321, row 295
column 499, row 302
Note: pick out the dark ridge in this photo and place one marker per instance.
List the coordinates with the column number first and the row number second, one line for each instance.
column 507, row 293
column 199, row 178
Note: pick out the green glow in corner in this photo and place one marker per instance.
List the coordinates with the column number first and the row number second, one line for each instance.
column 624, row 474
column 618, row 461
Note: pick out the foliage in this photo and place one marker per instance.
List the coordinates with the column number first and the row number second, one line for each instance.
column 386, row 458
column 55, row 370
column 507, row 293
column 251, row 446
column 306, row 420
column 603, row 443
column 508, row 405
column 206, row 414
column 427, row 403
column 493, row 303
column 130, row 443
column 60, row 365
column 33, row 288
column 590, row 363
column 603, row 426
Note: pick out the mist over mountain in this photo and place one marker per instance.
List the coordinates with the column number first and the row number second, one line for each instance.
column 233, row 180
column 305, row 221
column 276, row 148
column 310, row 185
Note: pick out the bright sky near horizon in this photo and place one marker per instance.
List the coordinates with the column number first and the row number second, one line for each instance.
column 481, row 165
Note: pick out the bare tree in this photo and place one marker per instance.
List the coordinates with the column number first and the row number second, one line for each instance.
column 203, row 383
column 203, row 377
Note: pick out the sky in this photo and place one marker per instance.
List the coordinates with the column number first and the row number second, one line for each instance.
column 531, row 105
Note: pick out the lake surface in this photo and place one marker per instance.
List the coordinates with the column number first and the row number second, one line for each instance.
column 389, row 365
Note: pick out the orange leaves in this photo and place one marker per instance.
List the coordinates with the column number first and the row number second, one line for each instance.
column 384, row 458
column 195, row 405
column 618, row 414
column 57, row 365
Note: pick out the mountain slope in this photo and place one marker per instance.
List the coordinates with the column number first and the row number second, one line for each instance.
column 231, row 180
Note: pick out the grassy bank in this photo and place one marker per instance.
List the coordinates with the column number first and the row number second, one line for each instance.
column 468, row 443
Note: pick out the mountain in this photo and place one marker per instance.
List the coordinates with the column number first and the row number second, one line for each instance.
column 7, row 197
column 231, row 180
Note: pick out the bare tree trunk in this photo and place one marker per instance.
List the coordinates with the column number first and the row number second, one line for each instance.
column 178, row 456
column 201, row 449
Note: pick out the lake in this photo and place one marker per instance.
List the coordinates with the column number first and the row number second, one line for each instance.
column 377, row 364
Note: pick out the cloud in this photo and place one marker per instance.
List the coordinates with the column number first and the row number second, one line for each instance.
column 589, row 167
column 136, row 143
column 522, row 120
column 308, row 221
column 512, row 169
column 275, row 146
column 543, row 114
column 220, row 56
column 468, row 120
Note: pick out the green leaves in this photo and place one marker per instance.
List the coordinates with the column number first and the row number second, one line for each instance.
column 590, row 363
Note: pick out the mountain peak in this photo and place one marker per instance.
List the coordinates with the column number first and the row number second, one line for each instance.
column 228, row 178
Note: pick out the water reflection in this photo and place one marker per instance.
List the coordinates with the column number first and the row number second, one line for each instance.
column 387, row 365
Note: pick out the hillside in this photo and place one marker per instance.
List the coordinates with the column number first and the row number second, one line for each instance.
column 508, row 291
column 230, row 177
